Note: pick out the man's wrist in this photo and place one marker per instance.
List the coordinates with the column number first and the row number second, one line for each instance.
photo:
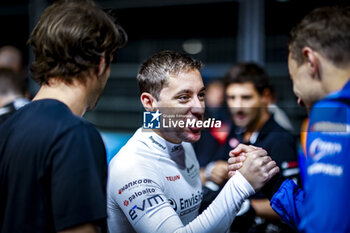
column 249, row 190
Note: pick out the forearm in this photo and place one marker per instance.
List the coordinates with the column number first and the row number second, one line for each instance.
column 220, row 214
column 216, row 218
column 263, row 209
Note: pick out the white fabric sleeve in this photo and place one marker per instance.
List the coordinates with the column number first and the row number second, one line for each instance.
column 220, row 213
column 153, row 213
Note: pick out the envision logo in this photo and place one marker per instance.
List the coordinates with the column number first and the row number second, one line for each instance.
column 196, row 198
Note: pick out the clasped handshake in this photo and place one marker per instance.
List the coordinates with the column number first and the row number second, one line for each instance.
column 253, row 163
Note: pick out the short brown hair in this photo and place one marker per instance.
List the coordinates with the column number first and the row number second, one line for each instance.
column 325, row 30
column 155, row 71
column 70, row 38
column 248, row 72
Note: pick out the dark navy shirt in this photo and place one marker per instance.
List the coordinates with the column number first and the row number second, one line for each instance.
column 52, row 170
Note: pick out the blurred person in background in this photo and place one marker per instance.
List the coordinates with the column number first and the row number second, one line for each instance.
column 215, row 99
column 53, row 168
column 11, row 57
column 212, row 139
column 248, row 95
column 13, row 92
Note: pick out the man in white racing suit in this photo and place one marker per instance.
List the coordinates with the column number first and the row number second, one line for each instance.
column 154, row 183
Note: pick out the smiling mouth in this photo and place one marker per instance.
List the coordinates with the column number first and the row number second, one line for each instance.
column 195, row 130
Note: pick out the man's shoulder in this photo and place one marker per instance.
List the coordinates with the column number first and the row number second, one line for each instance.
column 48, row 120
column 333, row 101
column 133, row 162
column 330, row 110
column 6, row 111
column 132, row 154
column 50, row 113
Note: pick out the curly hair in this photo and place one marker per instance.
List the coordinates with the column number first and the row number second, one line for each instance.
column 70, row 38
column 325, row 30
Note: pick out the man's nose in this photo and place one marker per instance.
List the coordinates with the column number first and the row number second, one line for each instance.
column 238, row 103
column 198, row 106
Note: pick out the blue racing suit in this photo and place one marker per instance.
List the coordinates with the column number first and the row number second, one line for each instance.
column 323, row 205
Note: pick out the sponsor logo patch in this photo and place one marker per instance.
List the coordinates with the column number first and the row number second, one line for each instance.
column 319, row 149
column 189, row 205
column 173, row 178
column 193, row 200
column 327, row 169
column 134, row 183
column 173, row 204
column 126, row 203
column 157, row 143
column 141, row 193
column 148, row 202
column 192, row 171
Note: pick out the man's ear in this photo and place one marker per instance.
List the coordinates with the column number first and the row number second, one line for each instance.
column 313, row 62
column 148, row 101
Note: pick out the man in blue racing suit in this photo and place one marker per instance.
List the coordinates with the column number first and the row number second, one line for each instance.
column 319, row 66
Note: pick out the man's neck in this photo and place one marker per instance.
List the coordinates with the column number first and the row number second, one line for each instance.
column 73, row 95
column 167, row 137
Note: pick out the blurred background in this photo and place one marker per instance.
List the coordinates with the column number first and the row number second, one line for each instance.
column 217, row 32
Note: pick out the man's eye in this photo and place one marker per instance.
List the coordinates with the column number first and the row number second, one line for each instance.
column 201, row 96
column 183, row 98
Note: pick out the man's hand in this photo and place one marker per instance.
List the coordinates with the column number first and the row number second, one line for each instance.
column 237, row 157
column 258, row 167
